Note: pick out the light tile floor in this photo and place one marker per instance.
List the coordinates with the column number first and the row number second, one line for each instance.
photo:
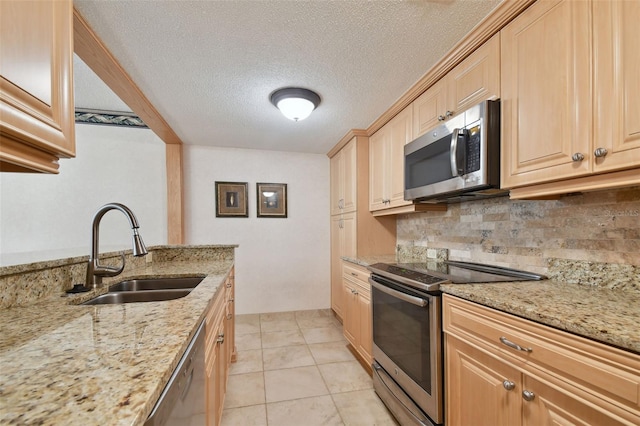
column 294, row 369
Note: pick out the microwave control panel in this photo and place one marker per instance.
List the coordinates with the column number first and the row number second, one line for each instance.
column 473, row 150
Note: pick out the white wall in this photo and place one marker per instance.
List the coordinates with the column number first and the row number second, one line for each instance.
column 49, row 216
column 281, row 264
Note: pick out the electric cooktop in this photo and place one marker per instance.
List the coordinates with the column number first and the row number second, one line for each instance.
column 428, row 276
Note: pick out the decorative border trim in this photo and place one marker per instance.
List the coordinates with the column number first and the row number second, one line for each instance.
column 109, row 118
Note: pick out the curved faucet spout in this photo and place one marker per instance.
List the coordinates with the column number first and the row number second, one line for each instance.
column 95, row 271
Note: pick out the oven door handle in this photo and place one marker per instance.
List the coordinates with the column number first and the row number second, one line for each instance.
column 398, row 295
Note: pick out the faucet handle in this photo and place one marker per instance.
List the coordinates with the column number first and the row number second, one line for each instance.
column 108, row 271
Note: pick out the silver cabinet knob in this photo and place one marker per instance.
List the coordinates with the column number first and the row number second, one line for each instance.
column 448, row 113
column 600, row 152
column 578, row 156
column 508, row 385
column 528, row 395
column 441, row 118
column 220, row 338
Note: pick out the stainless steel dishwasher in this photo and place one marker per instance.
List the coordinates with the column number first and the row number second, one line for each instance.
column 182, row 401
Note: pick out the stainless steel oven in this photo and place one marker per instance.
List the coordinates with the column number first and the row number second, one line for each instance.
column 407, row 332
column 407, row 349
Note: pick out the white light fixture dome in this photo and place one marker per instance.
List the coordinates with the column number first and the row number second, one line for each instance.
column 295, row 103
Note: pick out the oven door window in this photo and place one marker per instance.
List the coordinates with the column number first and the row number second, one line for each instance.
column 401, row 331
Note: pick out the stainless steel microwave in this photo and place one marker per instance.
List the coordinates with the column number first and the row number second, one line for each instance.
column 457, row 161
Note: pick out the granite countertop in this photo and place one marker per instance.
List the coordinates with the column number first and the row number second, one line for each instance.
column 103, row 364
column 607, row 315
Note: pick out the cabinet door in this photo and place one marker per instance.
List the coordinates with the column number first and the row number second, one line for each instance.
column 617, row 84
column 476, row 393
column 36, row 85
column 344, row 179
column 351, row 318
column 430, row 108
column 337, row 244
column 378, row 153
column 401, row 133
column 365, row 342
column 349, row 235
column 475, row 79
column 336, row 167
column 556, row 406
column 349, row 177
column 546, row 93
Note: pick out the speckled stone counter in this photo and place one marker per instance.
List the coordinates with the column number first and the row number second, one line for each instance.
column 608, row 314
column 63, row 364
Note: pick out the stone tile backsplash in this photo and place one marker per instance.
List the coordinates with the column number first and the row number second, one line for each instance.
column 599, row 227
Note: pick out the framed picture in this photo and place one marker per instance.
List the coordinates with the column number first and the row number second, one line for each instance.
column 272, row 199
column 231, row 199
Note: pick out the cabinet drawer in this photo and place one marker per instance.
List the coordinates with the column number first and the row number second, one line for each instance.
column 610, row 373
column 356, row 272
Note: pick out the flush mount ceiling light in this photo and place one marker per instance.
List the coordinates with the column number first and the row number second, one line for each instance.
column 295, row 103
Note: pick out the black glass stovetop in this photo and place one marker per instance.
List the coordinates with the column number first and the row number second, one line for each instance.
column 429, row 275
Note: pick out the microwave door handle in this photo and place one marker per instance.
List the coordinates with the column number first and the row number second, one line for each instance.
column 457, row 152
column 453, row 149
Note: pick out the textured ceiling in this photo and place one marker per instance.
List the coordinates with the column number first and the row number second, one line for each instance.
column 209, row 66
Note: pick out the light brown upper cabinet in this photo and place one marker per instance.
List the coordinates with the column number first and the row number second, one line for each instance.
column 474, row 80
column 343, row 179
column 386, row 162
column 617, row 84
column 563, row 125
column 36, row 85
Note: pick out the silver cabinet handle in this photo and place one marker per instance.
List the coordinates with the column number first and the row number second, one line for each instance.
column 528, row 395
column 508, row 385
column 220, row 338
column 441, row 118
column 231, row 300
column 448, row 113
column 229, row 316
column 512, row 345
column 354, row 274
column 600, row 152
column 577, row 157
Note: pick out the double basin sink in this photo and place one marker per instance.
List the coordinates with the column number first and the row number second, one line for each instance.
column 146, row 290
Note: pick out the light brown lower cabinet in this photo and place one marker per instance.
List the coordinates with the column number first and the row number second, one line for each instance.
column 220, row 349
column 356, row 319
column 505, row 370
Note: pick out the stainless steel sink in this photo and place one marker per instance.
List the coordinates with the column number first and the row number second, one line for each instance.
column 148, row 284
column 147, row 290
column 138, row 296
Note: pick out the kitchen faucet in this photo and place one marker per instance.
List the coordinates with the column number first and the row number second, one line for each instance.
column 95, row 271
